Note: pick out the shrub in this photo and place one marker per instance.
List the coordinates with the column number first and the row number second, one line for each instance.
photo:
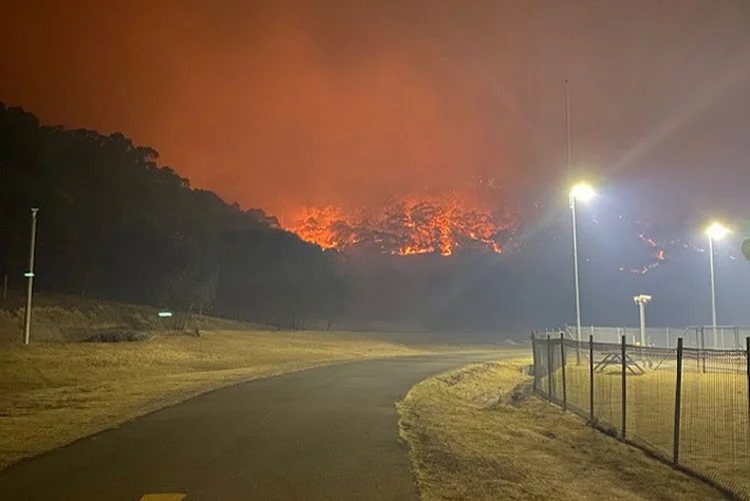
column 118, row 336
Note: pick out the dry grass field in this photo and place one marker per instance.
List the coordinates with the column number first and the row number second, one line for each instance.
column 54, row 393
column 477, row 434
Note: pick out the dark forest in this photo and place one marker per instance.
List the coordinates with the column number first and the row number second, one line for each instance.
column 114, row 224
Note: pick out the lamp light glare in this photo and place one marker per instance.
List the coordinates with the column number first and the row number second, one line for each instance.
column 582, row 192
column 717, row 231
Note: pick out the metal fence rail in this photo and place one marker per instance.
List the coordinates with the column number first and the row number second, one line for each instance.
column 728, row 337
column 688, row 405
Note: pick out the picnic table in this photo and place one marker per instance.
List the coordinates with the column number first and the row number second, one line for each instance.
column 615, row 358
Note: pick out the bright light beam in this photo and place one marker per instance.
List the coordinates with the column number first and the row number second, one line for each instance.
column 582, row 192
column 717, row 231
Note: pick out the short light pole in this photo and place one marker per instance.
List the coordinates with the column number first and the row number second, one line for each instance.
column 30, row 276
column 642, row 300
column 584, row 193
column 716, row 231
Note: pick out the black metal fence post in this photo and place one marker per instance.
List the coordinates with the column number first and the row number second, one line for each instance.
column 549, row 368
column 534, row 359
column 703, row 349
column 698, row 347
column 624, row 389
column 591, row 378
column 562, row 364
column 747, row 357
column 678, row 405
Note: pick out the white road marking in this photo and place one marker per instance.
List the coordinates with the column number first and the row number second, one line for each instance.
column 163, row 497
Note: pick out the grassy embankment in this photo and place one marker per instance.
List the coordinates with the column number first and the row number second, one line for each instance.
column 52, row 393
column 477, row 433
column 63, row 318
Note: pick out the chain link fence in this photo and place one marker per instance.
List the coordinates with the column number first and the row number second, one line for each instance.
column 728, row 337
column 689, row 406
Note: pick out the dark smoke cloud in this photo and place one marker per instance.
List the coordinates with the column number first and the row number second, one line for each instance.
column 278, row 104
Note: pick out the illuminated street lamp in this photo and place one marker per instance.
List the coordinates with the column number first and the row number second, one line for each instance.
column 584, row 193
column 716, row 231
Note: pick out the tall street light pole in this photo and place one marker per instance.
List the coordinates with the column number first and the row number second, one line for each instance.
column 30, row 276
column 716, row 231
column 584, row 193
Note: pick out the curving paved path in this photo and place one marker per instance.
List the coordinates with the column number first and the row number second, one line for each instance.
column 324, row 434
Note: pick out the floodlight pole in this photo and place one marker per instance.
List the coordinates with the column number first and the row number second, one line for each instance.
column 642, row 300
column 713, row 290
column 30, row 277
column 642, row 313
column 575, row 271
column 575, row 228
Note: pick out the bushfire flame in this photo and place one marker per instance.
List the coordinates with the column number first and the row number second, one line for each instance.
column 424, row 225
column 658, row 255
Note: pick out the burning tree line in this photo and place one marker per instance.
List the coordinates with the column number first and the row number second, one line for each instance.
column 427, row 224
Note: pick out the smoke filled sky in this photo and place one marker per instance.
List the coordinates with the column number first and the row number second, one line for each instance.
column 277, row 104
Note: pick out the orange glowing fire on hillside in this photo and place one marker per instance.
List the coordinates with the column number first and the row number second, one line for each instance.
column 440, row 225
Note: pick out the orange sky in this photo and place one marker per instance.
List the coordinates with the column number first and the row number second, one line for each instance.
column 276, row 104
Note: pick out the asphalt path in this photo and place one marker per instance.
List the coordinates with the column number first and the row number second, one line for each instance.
column 329, row 433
